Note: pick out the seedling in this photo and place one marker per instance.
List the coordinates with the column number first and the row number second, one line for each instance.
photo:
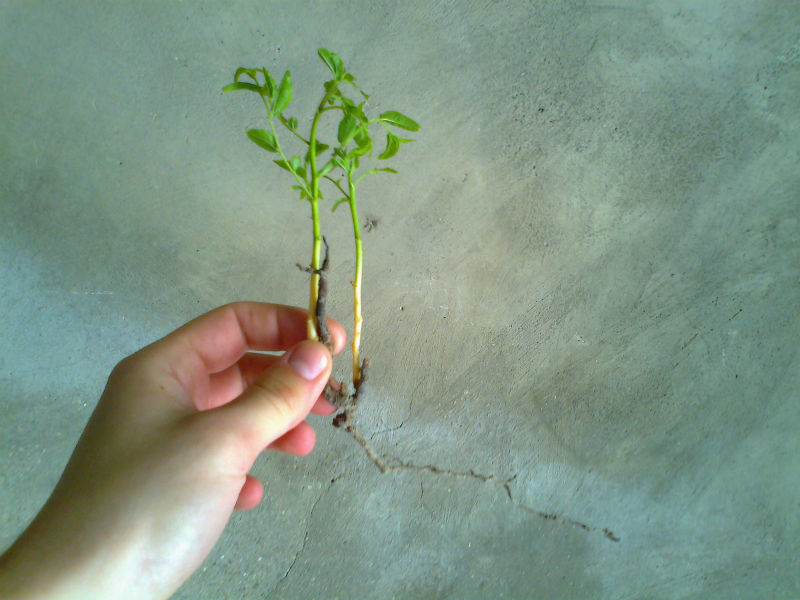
column 341, row 166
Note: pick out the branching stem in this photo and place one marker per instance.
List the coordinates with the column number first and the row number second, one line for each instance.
column 355, row 143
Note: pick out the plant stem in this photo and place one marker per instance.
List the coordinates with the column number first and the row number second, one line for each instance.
column 312, row 326
column 357, row 319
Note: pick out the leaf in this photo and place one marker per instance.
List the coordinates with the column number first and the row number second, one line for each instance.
column 302, row 190
column 269, row 84
column 295, row 162
column 283, row 165
column 363, row 144
column 251, row 73
column 392, row 117
column 327, row 168
column 333, row 61
column 360, row 151
column 373, row 171
column 359, row 112
column 298, row 166
column 292, row 123
column 293, row 166
column 362, row 137
column 352, row 81
column 347, row 128
column 392, row 146
column 319, row 148
column 337, row 203
column 284, row 94
column 241, row 85
column 263, row 138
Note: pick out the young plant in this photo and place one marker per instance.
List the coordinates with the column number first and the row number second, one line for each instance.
column 339, row 165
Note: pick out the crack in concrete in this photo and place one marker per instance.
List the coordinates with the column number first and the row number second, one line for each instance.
column 347, row 402
column 388, row 464
column 302, row 548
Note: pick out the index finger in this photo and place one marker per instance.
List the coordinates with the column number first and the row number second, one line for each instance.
column 217, row 339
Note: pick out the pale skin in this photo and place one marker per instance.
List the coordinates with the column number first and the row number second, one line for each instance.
column 164, row 460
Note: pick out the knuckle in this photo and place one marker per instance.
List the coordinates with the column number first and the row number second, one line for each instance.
column 124, row 370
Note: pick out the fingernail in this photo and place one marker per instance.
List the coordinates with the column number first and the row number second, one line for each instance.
column 308, row 360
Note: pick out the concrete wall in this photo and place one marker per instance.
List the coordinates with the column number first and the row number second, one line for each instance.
column 584, row 279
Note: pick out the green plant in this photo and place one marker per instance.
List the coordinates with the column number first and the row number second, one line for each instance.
column 339, row 165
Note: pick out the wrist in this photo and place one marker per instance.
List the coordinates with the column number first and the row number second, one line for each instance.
column 55, row 559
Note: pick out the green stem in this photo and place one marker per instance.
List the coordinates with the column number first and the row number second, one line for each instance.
column 285, row 122
column 277, row 144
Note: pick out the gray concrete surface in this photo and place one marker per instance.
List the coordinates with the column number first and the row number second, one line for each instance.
column 586, row 277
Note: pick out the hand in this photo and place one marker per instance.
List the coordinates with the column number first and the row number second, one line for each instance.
column 163, row 461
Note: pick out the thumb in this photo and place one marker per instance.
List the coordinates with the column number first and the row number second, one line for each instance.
column 281, row 398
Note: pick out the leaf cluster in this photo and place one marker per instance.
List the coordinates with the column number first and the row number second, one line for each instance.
column 353, row 135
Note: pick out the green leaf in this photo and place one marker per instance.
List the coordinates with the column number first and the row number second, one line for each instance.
column 293, row 166
column 360, row 151
column 362, row 137
column 333, row 61
column 298, row 167
column 327, row 168
column 372, row 172
column 263, row 138
column 359, row 112
column 319, row 148
column 397, row 119
column 302, row 190
column 269, row 84
column 352, row 81
column 337, row 203
column 332, row 90
column 283, row 165
column 284, row 94
column 392, row 146
column 251, row 73
column 347, row 128
column 342, row 163
column 292, row 123
column 241, row 85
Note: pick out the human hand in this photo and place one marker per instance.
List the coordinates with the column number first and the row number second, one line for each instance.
column 163, row 461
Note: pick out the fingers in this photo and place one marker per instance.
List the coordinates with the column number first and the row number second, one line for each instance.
column 298, row 441
column 250, row 495
column 322, row 407
column 217, row 340
column 280, row 399
column 230, row 383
